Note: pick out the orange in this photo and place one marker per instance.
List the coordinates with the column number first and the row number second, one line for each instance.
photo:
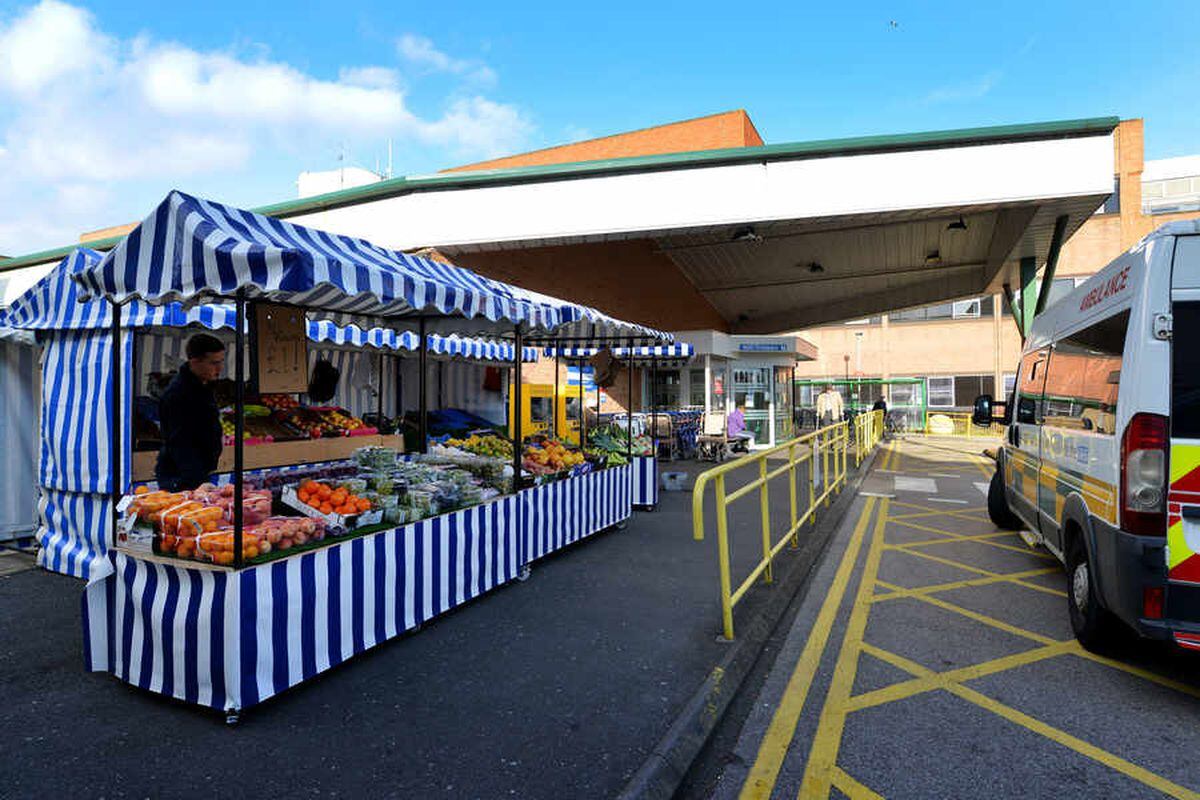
column 363, row 504
column 326, row 508
column 323, row 492
column 141, row 490
column 314, row 502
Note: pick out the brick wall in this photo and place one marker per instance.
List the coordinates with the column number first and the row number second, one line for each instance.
column 729, row 129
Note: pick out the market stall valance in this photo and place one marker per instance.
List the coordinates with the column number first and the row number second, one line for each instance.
column 388, row 339
column 675, row 350
column 198, row 251
column 55, row 303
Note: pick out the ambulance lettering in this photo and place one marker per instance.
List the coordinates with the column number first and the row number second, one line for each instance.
column 1110, row 287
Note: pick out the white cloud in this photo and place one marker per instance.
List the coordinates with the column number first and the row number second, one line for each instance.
column 420, row 51
column 85, row 116
column 51, row 41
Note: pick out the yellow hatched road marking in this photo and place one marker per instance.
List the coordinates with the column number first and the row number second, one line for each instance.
column 979, row 571
column 778, row 738
column 1037, row 726
column 975, row 615
column 984, row 538
column 822, row 757
column 852, row 788
column 1012, row 577
column 928, row 683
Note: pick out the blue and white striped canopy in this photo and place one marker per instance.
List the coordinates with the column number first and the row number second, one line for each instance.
column 54, row 303
column 442, row 346
column 198, row 251
column 663, row 352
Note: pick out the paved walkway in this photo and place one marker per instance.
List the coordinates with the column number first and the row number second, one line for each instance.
column 558, row 687
column 933, row 658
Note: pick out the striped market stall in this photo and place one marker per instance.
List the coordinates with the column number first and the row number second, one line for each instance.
column 643, row 472
column 228, row 637
column 20, row 376
column 69, row 509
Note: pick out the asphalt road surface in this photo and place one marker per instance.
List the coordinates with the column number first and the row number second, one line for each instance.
column 932, row 657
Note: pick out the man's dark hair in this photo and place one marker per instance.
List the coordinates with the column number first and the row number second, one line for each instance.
column 202, row 344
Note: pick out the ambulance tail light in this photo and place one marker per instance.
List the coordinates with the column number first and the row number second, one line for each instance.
column 1144, row 476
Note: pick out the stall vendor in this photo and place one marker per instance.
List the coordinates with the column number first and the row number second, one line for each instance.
column 189, row 418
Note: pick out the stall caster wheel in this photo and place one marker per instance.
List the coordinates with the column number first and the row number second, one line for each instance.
column 524, row 573
column 233, row 716
column 622, row 525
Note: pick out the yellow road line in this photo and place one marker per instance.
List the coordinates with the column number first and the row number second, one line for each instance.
column 975, row 615
column 947, row 537
column 1080, row 746
column 1013, row 577
column 1140, row 672
column 951, row 684
column 937, row 680
column 972, row 513
column 852, row 788
column 948, row 562
column 977, row 570
column 822, row 757
column 778, row 738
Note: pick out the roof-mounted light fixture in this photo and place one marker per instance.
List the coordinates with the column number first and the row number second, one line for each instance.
column 959, row 224
column 815, row 268
column 933, row 257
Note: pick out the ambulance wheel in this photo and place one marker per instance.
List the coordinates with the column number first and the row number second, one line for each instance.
column 1002, row 516
column 1092, row 624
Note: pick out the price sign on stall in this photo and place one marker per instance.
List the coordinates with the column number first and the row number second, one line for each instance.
column 281, row 335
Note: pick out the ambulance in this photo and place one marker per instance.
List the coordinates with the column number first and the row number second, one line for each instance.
column 1101, row 458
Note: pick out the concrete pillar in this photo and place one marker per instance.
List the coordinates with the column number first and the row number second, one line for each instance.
column 997, row 346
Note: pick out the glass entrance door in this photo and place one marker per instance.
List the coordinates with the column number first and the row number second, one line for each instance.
column 752, row 391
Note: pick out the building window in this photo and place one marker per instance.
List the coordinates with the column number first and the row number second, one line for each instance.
column 1010, row 380
column 965, row 309
column 941, row 392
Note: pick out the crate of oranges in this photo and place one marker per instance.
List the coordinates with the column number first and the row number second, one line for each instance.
column 337, row 505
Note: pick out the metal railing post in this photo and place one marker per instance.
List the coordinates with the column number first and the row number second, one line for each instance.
column 765, row 509
column 812, row 478
column 826, row 484
column 723, row 558
column 792, row 495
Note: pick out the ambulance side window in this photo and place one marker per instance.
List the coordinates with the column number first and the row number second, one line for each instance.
column 1083, row 377
column 1029, row 386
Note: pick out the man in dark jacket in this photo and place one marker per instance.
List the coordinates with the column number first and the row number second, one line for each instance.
column 189, row 418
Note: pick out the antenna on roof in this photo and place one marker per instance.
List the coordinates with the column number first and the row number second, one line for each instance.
column 389, row 170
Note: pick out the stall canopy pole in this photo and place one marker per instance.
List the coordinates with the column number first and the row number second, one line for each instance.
column 423, row 401
column 629, row 411
column 239, row 413
column 116, row 448
column 556, row 367
column 654, row 406
column 582, row 403
column 518, row 437
column 379, row 391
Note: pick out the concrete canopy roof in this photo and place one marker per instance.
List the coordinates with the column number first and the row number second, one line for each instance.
column 745, row 225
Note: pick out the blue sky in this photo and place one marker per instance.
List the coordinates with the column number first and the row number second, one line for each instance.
column 106, row 106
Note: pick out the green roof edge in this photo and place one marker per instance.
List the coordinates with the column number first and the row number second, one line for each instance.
column 823, row 148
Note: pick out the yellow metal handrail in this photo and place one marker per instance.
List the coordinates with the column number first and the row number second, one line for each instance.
column 828, row 449
column 958, row 423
